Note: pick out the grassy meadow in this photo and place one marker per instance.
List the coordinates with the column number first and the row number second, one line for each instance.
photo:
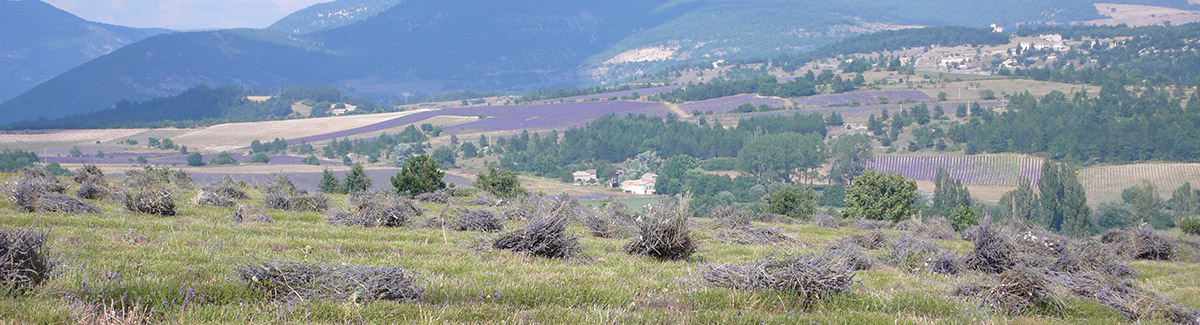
column 181, row 269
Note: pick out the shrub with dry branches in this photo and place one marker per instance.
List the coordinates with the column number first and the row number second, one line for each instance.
column 478, row 220
column 544, row 236
column 62, row 203
column 150, row 200
column 439, row 196
column 824, row 221
column 851, row 254
column 249, row 213
column 1015, row 290
column 614, row 220
column 303, row 281
column 663, row 233
column 811, row 277
column 224, row 193
column 282, row 194
column 376, row 209
column 24, row 260
column 868, row 240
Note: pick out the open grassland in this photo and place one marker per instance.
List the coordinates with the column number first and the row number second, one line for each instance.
column 1143, row 15
column 102, row 135
column 1105, row 183
column 181, row 269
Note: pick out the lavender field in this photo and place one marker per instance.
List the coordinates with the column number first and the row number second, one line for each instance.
column 726, row 104
column 992, row 170
column 508, row 118
column 616, row 94
column 863, row 98
column 857, row 111
column 380, row 178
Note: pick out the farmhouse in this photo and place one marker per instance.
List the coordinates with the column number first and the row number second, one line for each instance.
column 584, row 176
column 997, row 28
column 643, row 186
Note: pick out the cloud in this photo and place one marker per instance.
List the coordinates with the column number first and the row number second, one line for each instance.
column 184, row 14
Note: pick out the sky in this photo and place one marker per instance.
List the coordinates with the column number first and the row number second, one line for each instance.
column 184, row 14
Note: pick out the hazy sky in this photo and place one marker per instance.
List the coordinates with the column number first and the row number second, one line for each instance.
column 184, row 14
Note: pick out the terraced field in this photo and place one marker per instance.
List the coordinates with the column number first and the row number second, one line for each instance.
column 990, row 170
column 1105, row 183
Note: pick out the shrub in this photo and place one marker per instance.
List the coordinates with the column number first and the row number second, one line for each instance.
column 249, row 213
column 811, row 277
column 736, row 227
column 24, row 260
column 92, row 184
column 911, row 254
column 963, row 216
column 545, row 236
column 302, row 281
column 663, row 233
column 1015, row 291
column 799, row 202
column 1190, row 225
column 420, row 174
column 614, row 220
column 150, row 200
column 376, row 209
column 62, row 203
column 31, row 185
column 478, row 220
column 868, row 240
column 851, row 254
column 824, row 221
column 867, row 224
column 998, row 249
column 500, row 182
column 224, row 193
column 1153, row 245
column 282, row 194
column 439, row 196
column 929, row 227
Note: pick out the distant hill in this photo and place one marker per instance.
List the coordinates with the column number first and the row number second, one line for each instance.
column 430, row 46
column 39, row 41
column 323, row 16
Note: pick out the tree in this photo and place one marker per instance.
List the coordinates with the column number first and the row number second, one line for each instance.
column 672, row 175
column 1147, row 205
column 225, row 158
column 834, row 195
column 961, row 111
column 797, row 202
column 834, row 119
column 948, row 193
column 1021, row 203
column 453, row 141
column 1063, row 200
column 500, row 182
column 877, row 196
column 356, row 180
column 1184, row 200
column 329, row 183
column 483, row 141
column 260, row 158
column 420, row 174
column 195, row 159
column 849, row 154
column 987, row 94
column 469, row 150
column 444, row 156
column 963, row 216
column 777, row 158
column 75, row 152
column 312, row 160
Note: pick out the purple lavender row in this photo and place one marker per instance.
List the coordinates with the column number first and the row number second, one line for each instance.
column 726, row 104
column 615, row 94
column 863, row 98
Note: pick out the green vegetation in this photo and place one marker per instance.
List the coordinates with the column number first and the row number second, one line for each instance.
column 420, row 174
column 500, row 182
column 14, row 160
column 797, row 202
column 1064, row 201
column 877, row 196
column 356, row 180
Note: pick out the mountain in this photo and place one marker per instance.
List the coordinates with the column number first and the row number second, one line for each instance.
column 431, row 46
column 39, row 41
column 328, row 15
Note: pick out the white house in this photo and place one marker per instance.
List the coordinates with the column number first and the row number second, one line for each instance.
column 643, row 186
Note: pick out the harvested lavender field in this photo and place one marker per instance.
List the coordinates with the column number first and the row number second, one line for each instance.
column 862, row 98
column 996, row 170
column 508, row 118
column 643, row 92
column 726, row 104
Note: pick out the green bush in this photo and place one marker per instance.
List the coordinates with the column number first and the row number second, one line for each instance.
column 798, row 202
column 1190, row 225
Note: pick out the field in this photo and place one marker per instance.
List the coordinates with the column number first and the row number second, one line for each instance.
column 990, row 170
column 862, row 98
column 1105, row 183
column 1142, row 15
column 237, row 135
column 615, row 94
column 726, row 104
column 182, row 269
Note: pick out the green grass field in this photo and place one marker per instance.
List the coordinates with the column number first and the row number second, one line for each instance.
column 180, row 270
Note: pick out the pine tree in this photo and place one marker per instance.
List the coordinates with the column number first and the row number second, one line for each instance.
column 356, row 180
column 329, row 183
column 1064, row 200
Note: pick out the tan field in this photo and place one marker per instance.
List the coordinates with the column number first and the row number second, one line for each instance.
column 983, row 193
column 1105, row 183
column 236, row 135
column 1140, row 15
column 102, row 135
